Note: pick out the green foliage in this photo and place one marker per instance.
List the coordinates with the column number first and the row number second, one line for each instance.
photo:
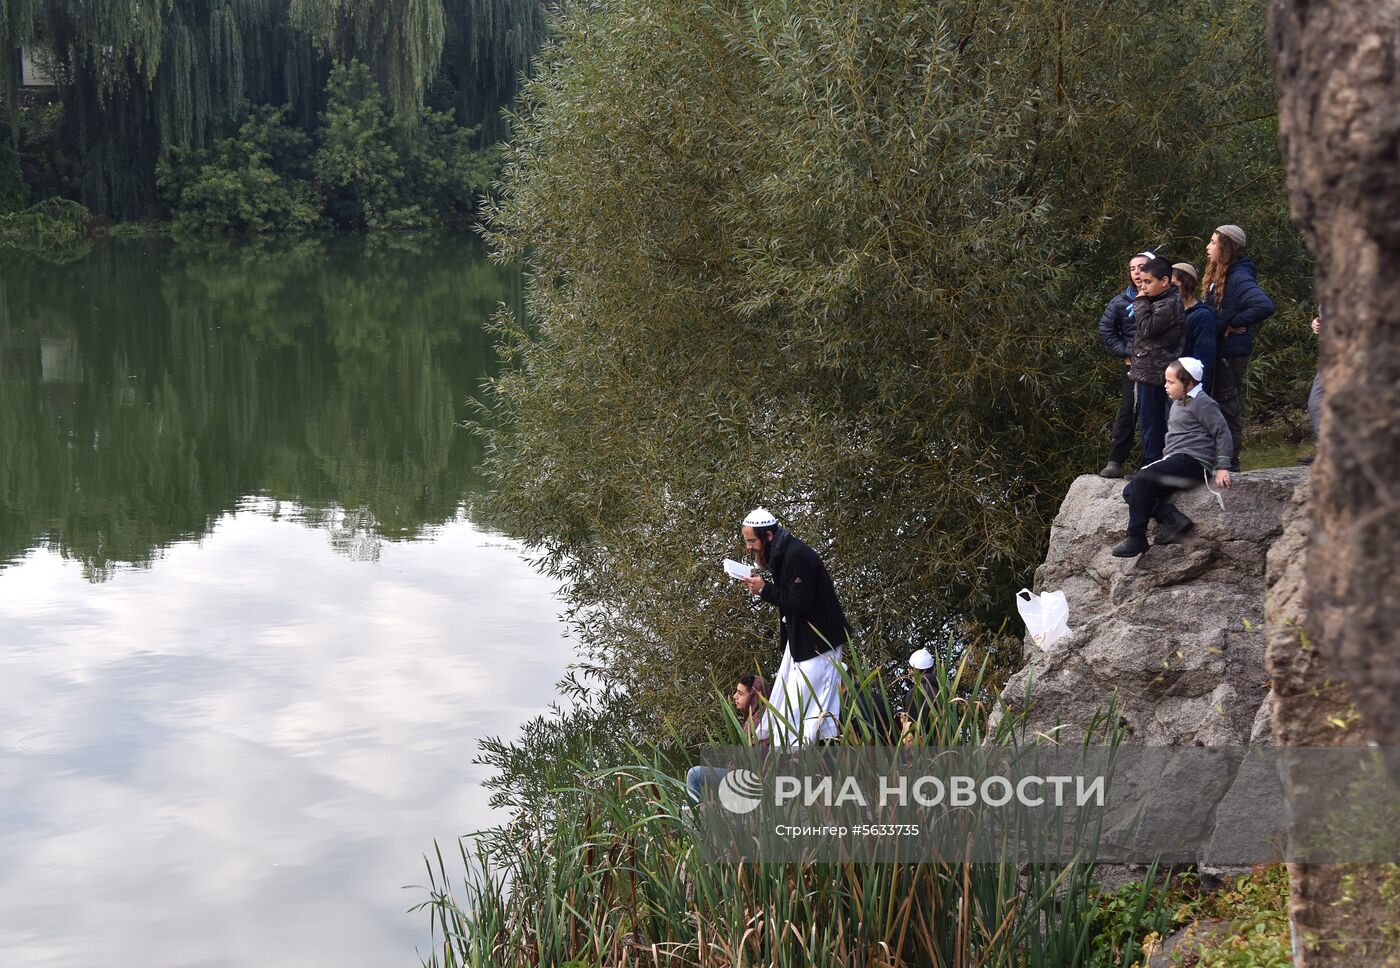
column 14, row 194
column 844, row 260
column 379, row 171
column 56, row 229
column 1126, row 918
column 1256, row 905
column 246, row 184
column 137, row 82
column 605, row 864
column 364, row 169
column 401, row 40
column 356, row 164
column 46, row 167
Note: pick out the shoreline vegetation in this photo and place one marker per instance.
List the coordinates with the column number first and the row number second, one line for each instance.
column 605, row 869
column 360, row 169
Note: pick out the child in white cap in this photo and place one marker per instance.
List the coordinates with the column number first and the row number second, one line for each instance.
column 1197, row 444
column 919, row 709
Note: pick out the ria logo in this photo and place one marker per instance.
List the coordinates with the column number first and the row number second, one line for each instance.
column 740, row 791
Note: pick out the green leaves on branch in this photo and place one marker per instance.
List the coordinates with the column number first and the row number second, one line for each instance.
column 364, row 169
column 251, row 183
column 843, row 259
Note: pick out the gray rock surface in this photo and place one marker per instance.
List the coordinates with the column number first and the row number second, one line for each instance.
column 1174, row 638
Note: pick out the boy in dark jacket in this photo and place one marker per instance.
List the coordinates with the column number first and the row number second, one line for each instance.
column 1159, row 331
column 1116, row 332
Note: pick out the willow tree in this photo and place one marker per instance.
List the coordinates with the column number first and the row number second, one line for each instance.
column 400, row 40
column 489, row 49
column 842, row 259
column 140, row 79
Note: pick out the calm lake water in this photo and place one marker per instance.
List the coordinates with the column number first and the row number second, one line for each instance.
column 250, row 632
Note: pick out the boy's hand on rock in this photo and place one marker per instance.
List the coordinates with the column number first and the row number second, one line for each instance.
column 1222, row 478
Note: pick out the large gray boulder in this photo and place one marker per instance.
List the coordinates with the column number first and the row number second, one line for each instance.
column 1176, row 637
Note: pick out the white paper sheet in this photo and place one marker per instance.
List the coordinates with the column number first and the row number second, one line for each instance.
column 737, row 569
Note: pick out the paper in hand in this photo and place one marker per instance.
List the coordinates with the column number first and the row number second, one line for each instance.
column 735, row 569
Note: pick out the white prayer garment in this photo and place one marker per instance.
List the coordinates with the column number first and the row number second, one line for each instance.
column 806, row 701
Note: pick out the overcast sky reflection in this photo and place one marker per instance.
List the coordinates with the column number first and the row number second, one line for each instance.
column 238, row 755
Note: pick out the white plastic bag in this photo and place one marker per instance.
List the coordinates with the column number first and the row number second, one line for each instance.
column 1046, row 616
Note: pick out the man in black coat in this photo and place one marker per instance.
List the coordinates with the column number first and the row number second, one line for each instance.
column 812, row 630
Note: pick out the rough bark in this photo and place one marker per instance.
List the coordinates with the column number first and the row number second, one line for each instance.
column 1337, row 65
column 1338, row 71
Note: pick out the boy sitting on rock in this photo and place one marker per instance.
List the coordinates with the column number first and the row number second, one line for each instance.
column 1197, row 443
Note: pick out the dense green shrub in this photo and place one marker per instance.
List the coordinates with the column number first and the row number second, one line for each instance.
column 255, row 181
column 55, row 229
column 364, row 168
column 845, row 259
column 375, row 170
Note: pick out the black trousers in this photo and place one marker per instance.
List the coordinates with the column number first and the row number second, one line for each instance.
column 1230, row 373
column 1125, row 423
column 1152, row 420
column 1148, row 492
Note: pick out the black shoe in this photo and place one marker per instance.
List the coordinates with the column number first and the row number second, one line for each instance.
column 1130, row 547
column 1112, row 469
column 1172, row 527
column 1307, row 459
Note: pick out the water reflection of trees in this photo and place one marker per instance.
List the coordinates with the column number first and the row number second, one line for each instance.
column 147, row 389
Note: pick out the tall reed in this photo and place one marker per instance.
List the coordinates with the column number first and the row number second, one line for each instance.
column 611, row 875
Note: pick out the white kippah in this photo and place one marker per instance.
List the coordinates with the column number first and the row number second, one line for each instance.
column 923, row 659
column 760, row 518
column 1193, row 366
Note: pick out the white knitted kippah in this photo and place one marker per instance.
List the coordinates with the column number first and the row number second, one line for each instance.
column 760, row 518
column 1193, row 366
column 923, row 659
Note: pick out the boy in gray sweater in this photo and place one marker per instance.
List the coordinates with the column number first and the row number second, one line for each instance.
column 1197, row 443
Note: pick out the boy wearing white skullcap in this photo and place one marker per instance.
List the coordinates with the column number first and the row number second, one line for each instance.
column 1197, row 444
column 806, row 697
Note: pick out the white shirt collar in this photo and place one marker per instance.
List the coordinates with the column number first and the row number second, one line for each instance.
column 1194, row 390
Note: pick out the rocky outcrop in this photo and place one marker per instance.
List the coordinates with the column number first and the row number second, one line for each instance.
column 1175, row 638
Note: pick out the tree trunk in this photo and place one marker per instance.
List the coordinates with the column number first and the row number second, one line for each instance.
column 1337, row 65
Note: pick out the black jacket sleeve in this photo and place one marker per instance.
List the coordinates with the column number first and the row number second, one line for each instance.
column 1112, row 332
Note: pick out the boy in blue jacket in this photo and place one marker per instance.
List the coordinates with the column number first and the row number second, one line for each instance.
column 1116, row 333
column 1202, row 325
